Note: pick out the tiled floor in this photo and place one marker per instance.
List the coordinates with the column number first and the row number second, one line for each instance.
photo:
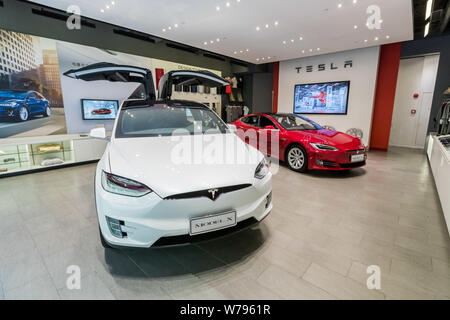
column 324, row 231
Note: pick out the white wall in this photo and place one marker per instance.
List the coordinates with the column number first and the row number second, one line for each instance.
column 362, row 77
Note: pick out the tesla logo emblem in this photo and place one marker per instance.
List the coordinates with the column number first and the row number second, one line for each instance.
column 212, row 192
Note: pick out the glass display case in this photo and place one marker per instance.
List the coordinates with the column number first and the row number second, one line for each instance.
column 39, row 153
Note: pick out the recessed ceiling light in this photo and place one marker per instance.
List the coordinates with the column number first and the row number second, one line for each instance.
column 292, row 40
column 275, row 23
column 163, row 30
column 257, row 28
column 217, row 8
column 176, row 25
column 235, row 52
column 284, row 42
column 257, row 59
column 262, row 58
column 113, row 3
column 241, row 51
column 107, row 7
column 387, row 37
column 205, row 43
column 228, row 4
column 238, row 0
column 267, row 25
column 301, row 38
column 355, row 27
column 101, row 10
column 217, row 39
column 247, row 50
column 340, row 5
column 355, row 1
column 268, row 57
column 211, row 41
column 310, row 50
column 303, row 51
column 365, row 40
column 318, row 49
column 381, row 20
column 170, row 28
column 376, row 39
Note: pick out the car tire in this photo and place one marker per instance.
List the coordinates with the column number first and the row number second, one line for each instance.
column 297, row 158
column 47, row 112
column 105, row 244
column 24, row 114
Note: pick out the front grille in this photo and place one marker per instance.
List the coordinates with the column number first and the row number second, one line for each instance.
column 330, row 164
column 208, row 193
column 352, row 165
column 355, row 151
column 187, row 239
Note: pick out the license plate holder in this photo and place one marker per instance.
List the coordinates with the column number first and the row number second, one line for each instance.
column 212, row 222
column 357, row 157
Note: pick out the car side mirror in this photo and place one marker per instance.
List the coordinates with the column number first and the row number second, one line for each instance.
column 269, row 127
column 98, row 133
column 232, row 128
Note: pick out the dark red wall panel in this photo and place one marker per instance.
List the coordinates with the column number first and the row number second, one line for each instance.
column 276, row 78
column 385, row 95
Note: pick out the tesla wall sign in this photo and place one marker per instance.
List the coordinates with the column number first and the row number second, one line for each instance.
column 325, row 66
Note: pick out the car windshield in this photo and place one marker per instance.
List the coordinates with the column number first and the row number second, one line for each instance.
column 296, row 122
column 12, row 94
column 163, row 120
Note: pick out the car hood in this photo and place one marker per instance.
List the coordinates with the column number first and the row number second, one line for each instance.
column 338, row 139
column 158, row 162
column 6, row 100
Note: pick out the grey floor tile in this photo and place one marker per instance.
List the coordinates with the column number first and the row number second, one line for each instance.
column 92, row 288
column 40, row 288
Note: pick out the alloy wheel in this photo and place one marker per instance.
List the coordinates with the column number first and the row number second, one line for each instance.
column 296, row 158
column 23, row 114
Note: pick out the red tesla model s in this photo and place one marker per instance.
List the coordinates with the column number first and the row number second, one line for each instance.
column 303, row 144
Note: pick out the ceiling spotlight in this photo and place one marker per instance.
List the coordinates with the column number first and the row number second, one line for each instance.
column 268, row 57
column 247, row 50
column 235, row 52
column 267, row 25
column 355, row 1
column 310, row 50
column 176, row 25
column 211, row 41
column 113, row 3
column 217, row 8
column 340, row 5
column 301, row 38
column 205, row 43
column 101, row 10
column 217, row 39
column 381, row 20
column 355, row 27
column 238, row 0
column 257, row 28
column 163, row 30
column 228, row 4
column 257, row 59
column 275, row 23
column 284, row 42
column 376, row 39
column 107, row 7
column 365, row 40
column 303, row 51
column 262, row 58
column 241, row 51
column 387, row 37
column 318, row 49
column 170, row 28
column 292, row 40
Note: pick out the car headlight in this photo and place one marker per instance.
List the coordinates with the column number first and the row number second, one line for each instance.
column 126, row 187
column 262, row 169
column 8, row 104
column 323, row 147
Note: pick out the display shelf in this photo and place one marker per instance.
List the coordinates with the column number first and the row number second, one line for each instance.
column 37, row 153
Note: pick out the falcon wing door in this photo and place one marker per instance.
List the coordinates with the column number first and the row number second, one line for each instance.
column 115, row 73
column 188, row 78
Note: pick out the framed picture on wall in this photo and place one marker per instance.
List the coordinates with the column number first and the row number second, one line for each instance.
column 322, row 98
column 94, row 109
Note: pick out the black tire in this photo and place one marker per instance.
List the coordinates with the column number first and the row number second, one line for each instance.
column 297, row 158
column 105, row 244
column 47, row 113
column 23, row 118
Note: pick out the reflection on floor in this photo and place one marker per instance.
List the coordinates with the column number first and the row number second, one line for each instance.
column 324, row 231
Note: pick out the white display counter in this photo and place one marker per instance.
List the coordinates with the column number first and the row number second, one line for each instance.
column 439, row 158
column 21, row 155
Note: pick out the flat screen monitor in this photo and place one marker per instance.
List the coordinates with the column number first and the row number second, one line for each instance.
column 99, row 109
column 321, row 98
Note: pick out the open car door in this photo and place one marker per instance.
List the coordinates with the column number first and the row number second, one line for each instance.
column 188, row 78
column 115, row 73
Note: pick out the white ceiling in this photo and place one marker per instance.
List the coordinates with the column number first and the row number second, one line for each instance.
column 327, row 25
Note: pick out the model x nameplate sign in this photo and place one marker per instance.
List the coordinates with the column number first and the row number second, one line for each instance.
column 212, row 222
column 325, row 66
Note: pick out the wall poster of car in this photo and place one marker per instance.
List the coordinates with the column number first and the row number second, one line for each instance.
column 99, row 109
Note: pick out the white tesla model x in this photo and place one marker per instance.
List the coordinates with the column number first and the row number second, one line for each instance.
column 158, row 182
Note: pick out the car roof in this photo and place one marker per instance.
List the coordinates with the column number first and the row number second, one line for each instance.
column 17, row 90
column 139, row 103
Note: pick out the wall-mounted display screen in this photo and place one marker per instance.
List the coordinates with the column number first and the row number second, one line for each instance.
column 99, row 109
column 322, row 98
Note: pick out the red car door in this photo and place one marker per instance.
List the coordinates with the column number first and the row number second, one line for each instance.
column 268, row 135
column 248, row 129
